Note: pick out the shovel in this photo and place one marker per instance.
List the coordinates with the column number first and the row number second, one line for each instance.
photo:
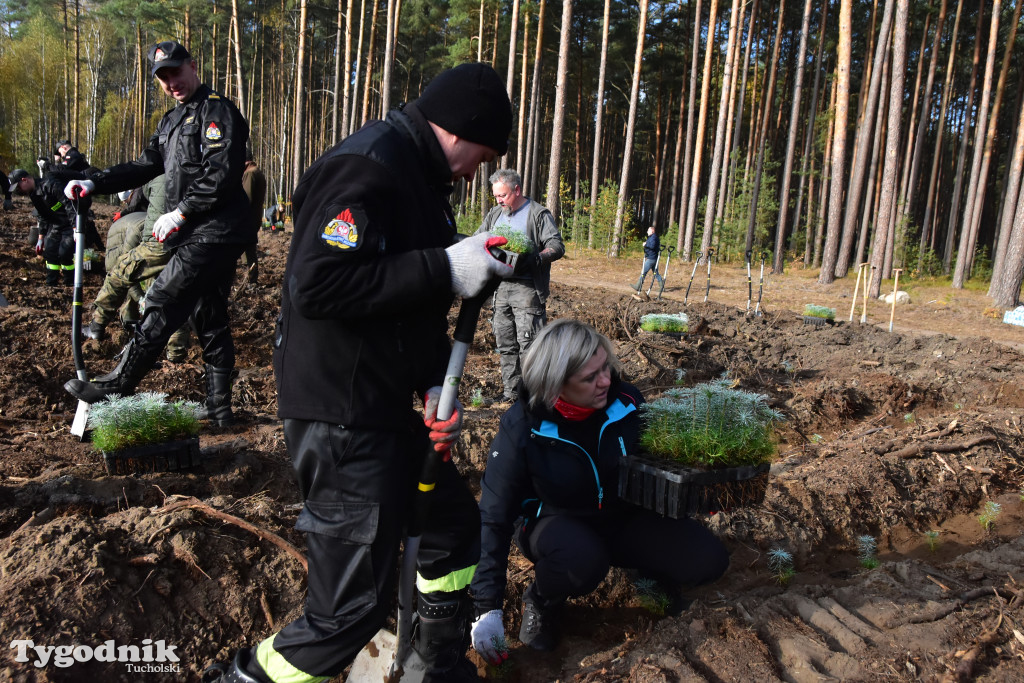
column 711, row 250
column 696, row 261
column 377, row 661
column 654, row 277
column 668, row 259
column 81, row 421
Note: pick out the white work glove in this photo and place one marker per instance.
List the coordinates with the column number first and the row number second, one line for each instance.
column 442, row 434
column 488, row 635
column 168, row 223
column 84, row 187
column 39, row 246
column 41, row 163
column 472, row 266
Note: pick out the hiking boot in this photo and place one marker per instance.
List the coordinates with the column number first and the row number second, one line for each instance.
column 539, row 629
column 122, row 381
column 97, row 331
column 440, row 636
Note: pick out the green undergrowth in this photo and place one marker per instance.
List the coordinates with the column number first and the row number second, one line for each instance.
column 121, row 422
column 710, row 425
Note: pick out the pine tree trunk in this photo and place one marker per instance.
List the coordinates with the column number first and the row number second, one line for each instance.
column 627, row 154
column 838, row 162
column 510, row 73
column 552, row 200
column 698, row 147
column 300, row 98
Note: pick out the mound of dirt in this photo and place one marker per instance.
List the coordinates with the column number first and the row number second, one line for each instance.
column 888, row 435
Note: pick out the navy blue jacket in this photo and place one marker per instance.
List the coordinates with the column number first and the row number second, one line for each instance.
column 541, row 464
column 651, row 247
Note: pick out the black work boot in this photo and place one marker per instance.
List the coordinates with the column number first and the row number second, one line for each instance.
column 122, row 381
column 218, row 397
column 242, row 670
column 440, row 638
column 539, row 629
column 96, row 330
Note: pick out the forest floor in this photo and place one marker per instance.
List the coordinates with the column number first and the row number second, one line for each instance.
column 886, row 434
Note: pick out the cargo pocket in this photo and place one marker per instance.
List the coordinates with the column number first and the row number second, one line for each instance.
column 352, row 522
column 129, row 267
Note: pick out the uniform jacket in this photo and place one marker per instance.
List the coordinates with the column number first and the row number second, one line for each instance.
column 651, row 247
column 200, row 147
column 542, row 231
column 541, row 464
column 367, row 289
column 254, row 184
column 53, row 208
column 76, row 161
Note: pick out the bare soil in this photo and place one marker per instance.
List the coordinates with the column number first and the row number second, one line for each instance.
column 888, row 434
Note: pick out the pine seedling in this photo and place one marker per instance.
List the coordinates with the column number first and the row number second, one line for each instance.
column 710, row 424
column 518, row 242
column 815, row 311
column 476, row 399
column 120, row 422
column 988, row 516
column 780, row 562
column 499, row 671
column 665, row 322
column 932, row 539
column 867, row 548
column 651, row 597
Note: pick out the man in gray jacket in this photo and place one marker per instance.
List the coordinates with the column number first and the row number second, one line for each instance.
column 519, row 302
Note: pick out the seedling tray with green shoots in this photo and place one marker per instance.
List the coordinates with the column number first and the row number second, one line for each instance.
column 145, row 433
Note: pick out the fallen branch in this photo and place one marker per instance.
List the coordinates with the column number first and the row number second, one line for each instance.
column 967, row 597
column 916, row 450
column 196, row 504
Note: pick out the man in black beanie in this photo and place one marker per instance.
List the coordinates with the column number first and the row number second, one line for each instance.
column 363, row 326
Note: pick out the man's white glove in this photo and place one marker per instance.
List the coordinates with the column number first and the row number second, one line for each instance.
column 41, row 163
column 442, row 434
column 168, row 223
column 472, row 265
column 488, row 635
column 84, row 187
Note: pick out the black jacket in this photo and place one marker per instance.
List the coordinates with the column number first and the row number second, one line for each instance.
column 651, row 247
column 363, row 322
column 53, row 208
column 200, row 147
column 541, row 464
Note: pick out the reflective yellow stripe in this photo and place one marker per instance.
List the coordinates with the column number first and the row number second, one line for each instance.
column 279, row 669
column 425, row 487
column 53, row 266
column 454, row 581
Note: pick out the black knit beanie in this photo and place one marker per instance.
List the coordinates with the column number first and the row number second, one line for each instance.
column 470, row 101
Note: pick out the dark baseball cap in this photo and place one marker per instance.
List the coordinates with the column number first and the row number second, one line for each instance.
column 470, row 101
column 168, row 53
column 16, row 176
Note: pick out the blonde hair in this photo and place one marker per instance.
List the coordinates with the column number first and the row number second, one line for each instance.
column 559, row 351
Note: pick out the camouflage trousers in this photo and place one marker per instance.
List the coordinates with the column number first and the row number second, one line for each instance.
column 519, row 315
column 124, row 288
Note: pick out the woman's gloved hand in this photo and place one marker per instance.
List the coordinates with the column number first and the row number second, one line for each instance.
column 488, row 635
column 442, row 433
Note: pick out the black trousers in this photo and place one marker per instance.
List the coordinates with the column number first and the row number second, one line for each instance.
column 572, row 555
column 357, row 486
column 194, row 286
column 59, row 253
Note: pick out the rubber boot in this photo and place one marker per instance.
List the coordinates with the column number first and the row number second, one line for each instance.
column 639, row 285
column 218, row 397
column 122, row 381
column 440, row 638
column 242, row 670
column 539, row 629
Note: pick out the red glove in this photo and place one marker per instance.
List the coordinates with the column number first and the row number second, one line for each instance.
column 442, row 434
column 117, row 216
column 39, row 246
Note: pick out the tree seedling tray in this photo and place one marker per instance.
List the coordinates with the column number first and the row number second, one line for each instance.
column 816, row 321
column 676, row 491
column 169, row 456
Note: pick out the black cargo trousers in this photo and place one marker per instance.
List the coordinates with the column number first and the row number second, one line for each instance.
column 357, row 485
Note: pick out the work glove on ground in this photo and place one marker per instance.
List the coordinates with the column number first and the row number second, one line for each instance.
column 488, row 635
column 442, row 434
column 39, row 246
column 472, row 265
column 85, row 188
column 168, row 223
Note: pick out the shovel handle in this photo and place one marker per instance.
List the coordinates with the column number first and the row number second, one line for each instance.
column 76, row 300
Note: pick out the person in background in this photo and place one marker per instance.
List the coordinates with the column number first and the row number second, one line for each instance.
column 5, row 189
column 651, row 248
column 199, row 146
column 274, row 217
column 254, row 182
column 551, row 482
column 520, row 302
column 56, row 241
column 363, row 327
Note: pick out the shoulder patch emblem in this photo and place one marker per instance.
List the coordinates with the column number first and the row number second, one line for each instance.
column 213, row 132
column 341, row 232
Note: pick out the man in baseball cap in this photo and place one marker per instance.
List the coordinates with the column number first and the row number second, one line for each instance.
column 168, row 53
